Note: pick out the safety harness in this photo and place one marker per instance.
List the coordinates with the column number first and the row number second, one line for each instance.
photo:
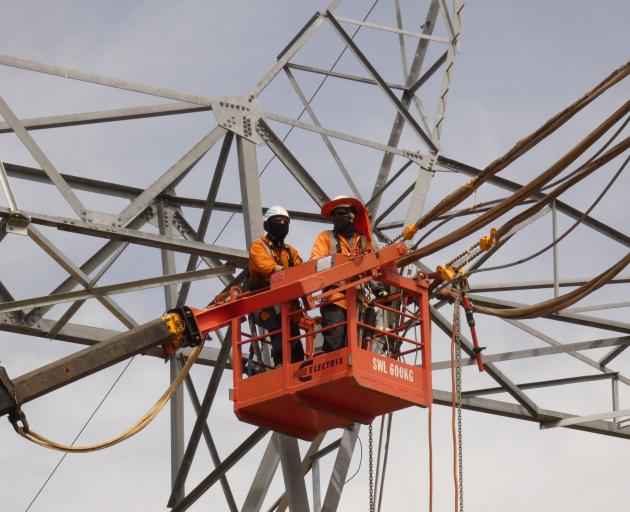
column 334, row 241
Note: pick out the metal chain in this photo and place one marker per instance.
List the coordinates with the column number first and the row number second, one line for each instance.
column 458, row 395
column 371, row 467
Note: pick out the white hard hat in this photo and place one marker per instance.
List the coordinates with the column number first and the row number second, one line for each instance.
column 276, row 211
column 339, row 203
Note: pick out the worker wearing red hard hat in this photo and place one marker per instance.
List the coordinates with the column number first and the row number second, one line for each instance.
column 269, row 254
column 351, row 233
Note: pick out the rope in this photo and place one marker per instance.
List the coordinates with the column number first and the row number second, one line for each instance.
column 430, row 420
column 584, row 172
column 371, row 467
column 521, row 147
column 134, row 429
column 63, row 457
column 566, row 233
column 451, row 216
column 527, row 190
column 563, row 301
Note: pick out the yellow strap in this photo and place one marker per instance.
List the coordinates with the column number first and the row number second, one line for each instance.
column 134, row 429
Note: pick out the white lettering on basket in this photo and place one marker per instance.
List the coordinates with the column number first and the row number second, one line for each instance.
column 395, row 370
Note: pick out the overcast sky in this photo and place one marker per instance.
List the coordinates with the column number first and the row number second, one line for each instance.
column 519, row 64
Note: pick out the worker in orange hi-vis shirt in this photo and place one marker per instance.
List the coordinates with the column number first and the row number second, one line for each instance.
column 351, row 233
column 269, row 254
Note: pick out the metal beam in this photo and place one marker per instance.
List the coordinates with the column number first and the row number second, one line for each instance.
column 550, row 341
column 612, row 354
column 128, row 85
column 389, row 183
column 389, row 149
column 544, row 384
column 418, row 196
column 41, row 159
column 200, row 422
column 327, row 142
column 563, row 207
column 538, row 352
column 102, row 291
column 287, row 54
column 308, row 463
column 394, row 204
column 186, row 231
column 292, row 472
column 88, row 335
column 428, row 73
column 106, row 251
column 597, row 307
column 445, row 87
column 208, row 207
column 105, row 116
column 250, row 189
column 576, row 420
column 85, row 362
column 237, row 256
column 340, row 469
column 212, row 448
column 447, row 327
column 540, row 284
column 398, row 105
column 590, row 321
column 127, row 192
column 519, row 412
column 386, row 28
column 78, row 275
column 6, row 188
column 264, row 475
column 399, row 121
column 227, row 463
column 165, row 225
column 292, row 164
column 175, row 172
column 69, row 313
column 343, row 76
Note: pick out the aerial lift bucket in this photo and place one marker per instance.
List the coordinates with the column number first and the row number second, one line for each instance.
column 382, row 369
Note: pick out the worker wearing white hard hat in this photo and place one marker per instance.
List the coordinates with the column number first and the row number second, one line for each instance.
column 269, row 254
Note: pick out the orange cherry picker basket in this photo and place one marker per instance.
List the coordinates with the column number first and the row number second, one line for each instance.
column 383, row 368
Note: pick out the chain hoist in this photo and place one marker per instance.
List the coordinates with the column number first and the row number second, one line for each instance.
column 371, row 467
column 458, row 394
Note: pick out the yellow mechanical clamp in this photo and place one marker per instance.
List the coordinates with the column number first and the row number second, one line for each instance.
column 177, row 327
column 447, row 273
column 409, row 231
column 488, row 241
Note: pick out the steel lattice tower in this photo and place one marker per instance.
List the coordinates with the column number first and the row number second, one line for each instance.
column 195, row 216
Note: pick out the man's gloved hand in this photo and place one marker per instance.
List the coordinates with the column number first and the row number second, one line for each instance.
column 379, row 290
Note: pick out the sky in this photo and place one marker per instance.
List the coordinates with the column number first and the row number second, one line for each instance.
column 519, row 63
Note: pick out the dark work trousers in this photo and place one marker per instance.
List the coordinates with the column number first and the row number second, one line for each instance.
column 334, row 338
column 272, row 324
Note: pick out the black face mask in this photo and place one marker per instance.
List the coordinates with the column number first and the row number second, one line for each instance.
column 277, row 231
column 343, row 224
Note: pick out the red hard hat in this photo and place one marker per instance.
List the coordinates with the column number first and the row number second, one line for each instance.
column 361, row 219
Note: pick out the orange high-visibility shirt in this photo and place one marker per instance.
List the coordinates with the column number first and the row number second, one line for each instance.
column 322, row 247
column 264, row 257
